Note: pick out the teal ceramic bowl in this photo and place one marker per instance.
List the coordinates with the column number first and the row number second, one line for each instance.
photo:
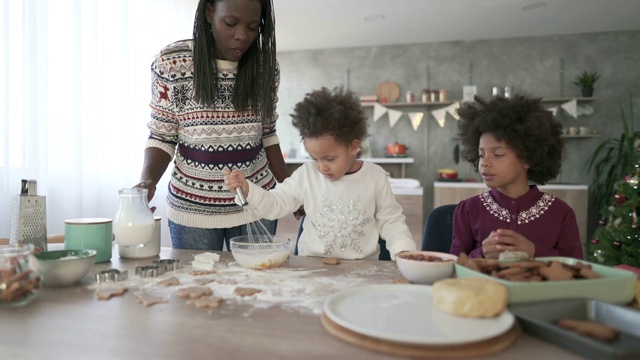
column 64, row 267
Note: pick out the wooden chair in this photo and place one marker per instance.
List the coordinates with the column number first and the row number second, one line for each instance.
column 438, row 230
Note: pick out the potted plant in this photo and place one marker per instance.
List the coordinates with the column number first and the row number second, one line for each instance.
column 585, row 81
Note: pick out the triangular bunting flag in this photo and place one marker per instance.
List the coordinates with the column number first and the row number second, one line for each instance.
column 378, row 111
column 571, row 107
column 554, row 110
column 451, row 109
column 394, row 116
column 416, row 119
column 440, row 115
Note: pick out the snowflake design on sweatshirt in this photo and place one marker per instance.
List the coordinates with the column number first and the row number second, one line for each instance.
column 525, row 216
column 341, row 225
column 181, row 96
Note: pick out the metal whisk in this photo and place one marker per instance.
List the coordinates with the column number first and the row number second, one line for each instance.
column 255, row 229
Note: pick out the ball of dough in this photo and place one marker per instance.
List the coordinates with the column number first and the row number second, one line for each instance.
column 472, row 297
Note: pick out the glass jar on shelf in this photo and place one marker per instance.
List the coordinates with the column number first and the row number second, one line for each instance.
column 435, row 96
column 426, row 96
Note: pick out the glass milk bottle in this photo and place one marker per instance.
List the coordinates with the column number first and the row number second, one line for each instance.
column 134, row 223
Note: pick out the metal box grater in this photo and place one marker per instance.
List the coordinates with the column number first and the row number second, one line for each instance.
column 29, row 217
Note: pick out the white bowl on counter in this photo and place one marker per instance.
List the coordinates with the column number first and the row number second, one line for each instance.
column 64, row 267
column 425, row 267
column 260, row 252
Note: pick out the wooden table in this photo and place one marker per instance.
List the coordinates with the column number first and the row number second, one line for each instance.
column 70, row 323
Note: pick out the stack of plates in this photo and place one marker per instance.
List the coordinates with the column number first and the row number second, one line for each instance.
column 404, row 314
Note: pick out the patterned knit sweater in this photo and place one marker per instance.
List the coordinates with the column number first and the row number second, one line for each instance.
column 204, row 140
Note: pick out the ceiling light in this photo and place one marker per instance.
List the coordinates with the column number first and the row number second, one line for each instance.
column 374, row 17
column 536, row 6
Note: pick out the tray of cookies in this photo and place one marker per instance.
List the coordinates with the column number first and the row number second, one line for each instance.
column 592, row 329
column 552, row 278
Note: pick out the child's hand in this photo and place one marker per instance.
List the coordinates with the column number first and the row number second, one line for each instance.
column 235, row 179
column 489, row 246
column 299, row 213
column 506, row 240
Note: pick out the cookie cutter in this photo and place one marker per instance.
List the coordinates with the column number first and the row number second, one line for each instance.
column 112, row 275
column 158, row 267
column 146, row 271
column 168, row 264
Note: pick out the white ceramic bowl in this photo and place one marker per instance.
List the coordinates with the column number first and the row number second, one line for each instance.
column 64, row 267
column 417, row 269
column 255, row 252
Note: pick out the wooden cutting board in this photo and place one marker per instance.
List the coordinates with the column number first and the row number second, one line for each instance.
column 474, row 349
column 389, row 91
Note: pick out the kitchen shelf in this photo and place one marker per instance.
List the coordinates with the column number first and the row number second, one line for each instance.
column 580, row 136
column 441, row 103
column 565, row 99
column 412, row 104
column 402, row 161
column 563, row 136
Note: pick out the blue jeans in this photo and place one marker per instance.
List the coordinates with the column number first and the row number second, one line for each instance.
column 185, row 237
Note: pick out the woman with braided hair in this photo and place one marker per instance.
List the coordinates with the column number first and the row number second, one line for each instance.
column 213, row 107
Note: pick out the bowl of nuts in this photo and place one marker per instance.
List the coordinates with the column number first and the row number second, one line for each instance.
column 425, row 267
column 19, row 278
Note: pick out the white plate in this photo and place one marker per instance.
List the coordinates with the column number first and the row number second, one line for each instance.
column 406, row 313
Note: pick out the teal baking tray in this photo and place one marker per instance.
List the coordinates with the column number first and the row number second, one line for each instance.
column 616, row 286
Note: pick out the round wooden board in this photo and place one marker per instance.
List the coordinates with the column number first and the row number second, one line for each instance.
column 389, row 91
column 484, row 347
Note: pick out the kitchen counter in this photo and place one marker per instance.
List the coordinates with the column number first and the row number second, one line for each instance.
column 282, row 322
column 399, row 161
column 480, row 185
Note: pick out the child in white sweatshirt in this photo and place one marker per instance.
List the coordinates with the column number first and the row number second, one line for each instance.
column 348, row 202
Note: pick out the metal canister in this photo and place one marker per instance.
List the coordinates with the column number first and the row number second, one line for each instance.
column 443, row 95
column 435, row 96
column 426, row 96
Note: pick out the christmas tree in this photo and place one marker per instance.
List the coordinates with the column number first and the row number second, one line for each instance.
column 616, row 163
column 617, row 239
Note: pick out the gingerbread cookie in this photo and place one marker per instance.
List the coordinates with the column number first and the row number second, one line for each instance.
column 556, row 272
column 194, row 292
column 147, row 299
column 170, row 281
column 331, row 261
column 203, row 281
column 106, row 294
column 242, row 291
column 208, row 301
column 590, row 328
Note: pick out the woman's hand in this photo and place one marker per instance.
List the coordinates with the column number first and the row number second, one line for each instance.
column 235, row 179
column 151, row 190
column 506, row 240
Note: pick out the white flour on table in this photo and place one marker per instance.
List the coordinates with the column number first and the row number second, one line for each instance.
column 292, row 289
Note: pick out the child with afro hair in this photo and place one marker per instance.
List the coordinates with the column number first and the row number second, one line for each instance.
column 514, row 144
